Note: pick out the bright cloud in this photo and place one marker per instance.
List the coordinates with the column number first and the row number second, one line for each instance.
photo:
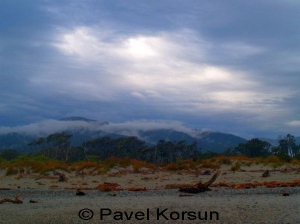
column 294, row 123
column 141, row 47
column 143, row 64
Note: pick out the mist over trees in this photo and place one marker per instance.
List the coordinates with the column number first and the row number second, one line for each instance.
column 58, row 146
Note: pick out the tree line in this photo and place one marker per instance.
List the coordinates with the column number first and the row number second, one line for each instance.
column 286, row 149
column 58, row 146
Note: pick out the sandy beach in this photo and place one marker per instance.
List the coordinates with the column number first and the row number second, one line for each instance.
column 156, row 199
column 258, row 205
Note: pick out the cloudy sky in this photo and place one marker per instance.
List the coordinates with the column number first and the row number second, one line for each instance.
column 230, row 66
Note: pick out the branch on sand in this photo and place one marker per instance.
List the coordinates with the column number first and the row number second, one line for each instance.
column 201, row 187
column 266, row 174
column 62, row 176
column 16, row 201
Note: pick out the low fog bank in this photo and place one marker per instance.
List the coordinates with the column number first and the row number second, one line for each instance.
column 46, row 127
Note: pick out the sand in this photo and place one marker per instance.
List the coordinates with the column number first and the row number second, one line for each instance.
column 151, row 179
column 156, row 205
column 232, row 206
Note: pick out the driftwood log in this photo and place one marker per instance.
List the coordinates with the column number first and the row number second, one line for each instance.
column 33, row 201
column 200, row 187
column 16, row 201
column 266, row 174
column 186, row 195
column 79, row 193
column 61, row 176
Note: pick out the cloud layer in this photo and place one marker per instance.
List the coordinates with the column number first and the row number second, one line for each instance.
column 47, row 127
column 230, row 67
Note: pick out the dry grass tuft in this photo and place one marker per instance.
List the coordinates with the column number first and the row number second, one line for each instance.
column 226, row 160
column 188, row 165
column 235, row 167
column 210, row 163
column 138, row 165
column 105, row 187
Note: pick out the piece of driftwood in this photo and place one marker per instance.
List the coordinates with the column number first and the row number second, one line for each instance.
column 79, row 193
column 270, row 184
column 107, row 187
column 186, row 195
column 136, row 189
column 33, row 201
column 80, row 173
column 266, row 174
column 288, row 169
column 200, row 187
column 176, row 186
column 47, row 177
column 16, row 201
column 62, row 176
column 4, row 189
column 205, row 172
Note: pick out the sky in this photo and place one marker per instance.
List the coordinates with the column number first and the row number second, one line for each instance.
column 230, row 66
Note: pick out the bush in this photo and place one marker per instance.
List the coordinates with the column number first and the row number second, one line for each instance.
column 295, row 162
column 11, row 171
column 138, row 164
column 176, row 166
column 272, row 159
column 86, row 164
column 224, row 160
column 54, row 165
column 93, row 158
column 35, row 166
column 210, row 164
column 9, row 154
column 32, row 157
column 235, row 167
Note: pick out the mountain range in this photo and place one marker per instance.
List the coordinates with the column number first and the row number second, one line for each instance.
column 84, row 129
